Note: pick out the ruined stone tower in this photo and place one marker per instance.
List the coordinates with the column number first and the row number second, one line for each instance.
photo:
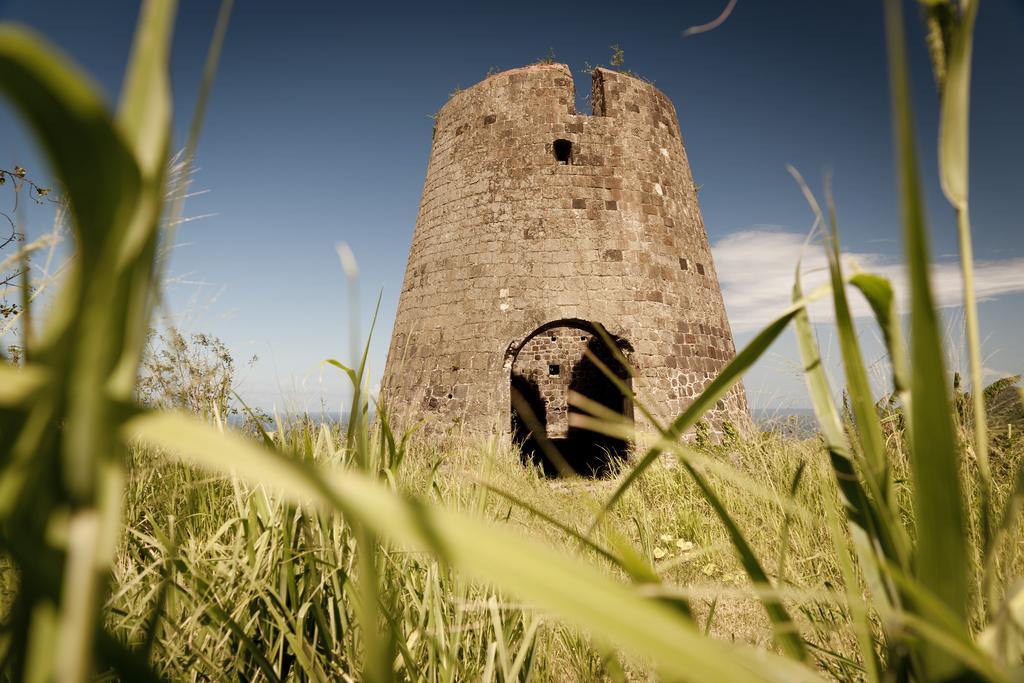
column 539, row 226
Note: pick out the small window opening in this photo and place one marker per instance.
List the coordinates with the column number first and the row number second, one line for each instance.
column 583, row 338
column 684, row 264
column 563, row 151
column 554, row 369
column 554, row 338
column 700, row 268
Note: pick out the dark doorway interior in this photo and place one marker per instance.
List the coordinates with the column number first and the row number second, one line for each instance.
column 541, row 415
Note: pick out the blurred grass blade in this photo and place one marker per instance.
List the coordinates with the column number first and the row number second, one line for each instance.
column 144, row 113
column 110, row 202
column 18, row 384
column 962, row 652
column 943, row 554
column 144, row 119
column 955, row 106
column 71, row 122
column 1003, row 639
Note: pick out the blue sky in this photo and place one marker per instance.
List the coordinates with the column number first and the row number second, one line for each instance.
column 318, row 132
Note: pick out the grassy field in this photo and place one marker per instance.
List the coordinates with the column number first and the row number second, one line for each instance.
column 140, row 543
column 244, row 576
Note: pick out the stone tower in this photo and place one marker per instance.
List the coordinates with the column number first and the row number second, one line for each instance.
column 538, row 227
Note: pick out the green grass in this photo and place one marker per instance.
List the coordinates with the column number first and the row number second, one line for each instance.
column 139, row 543
column 250, row 572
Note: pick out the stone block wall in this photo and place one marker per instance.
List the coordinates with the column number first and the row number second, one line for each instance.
column 555, row 361
column 517, row 228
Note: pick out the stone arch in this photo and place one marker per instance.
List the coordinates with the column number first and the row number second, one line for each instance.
column 543, row 368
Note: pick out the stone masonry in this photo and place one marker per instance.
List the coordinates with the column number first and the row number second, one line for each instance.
column 551, row 361
column 537, row 225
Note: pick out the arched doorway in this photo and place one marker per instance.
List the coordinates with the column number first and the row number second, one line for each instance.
column 548, row 364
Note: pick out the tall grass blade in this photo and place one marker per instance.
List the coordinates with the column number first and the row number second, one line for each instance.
column 955, row 104
column 113, row 201
column 72, row 124
column 880, row 296
column 729, row 375
column 606, row 421
column 786, row 633
column 954, row 171
column 144, row 112
column 877, row 539
column 869, row 429
column 943, row 554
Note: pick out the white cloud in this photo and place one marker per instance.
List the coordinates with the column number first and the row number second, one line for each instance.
column 756, row 268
